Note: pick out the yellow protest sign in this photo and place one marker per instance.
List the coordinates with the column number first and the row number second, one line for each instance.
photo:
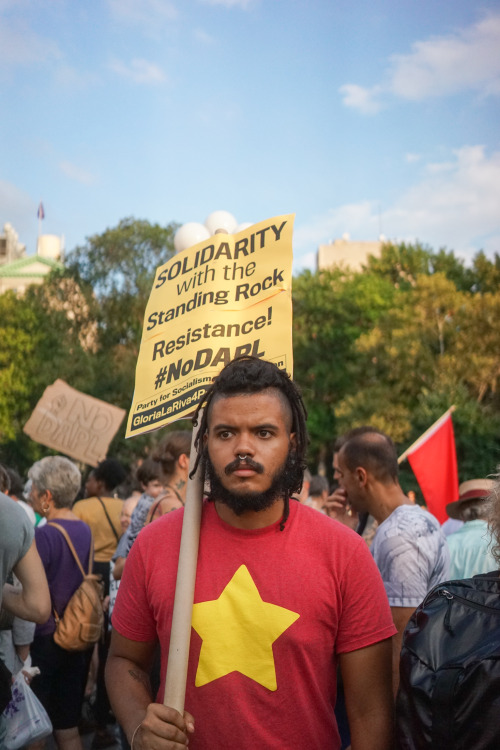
column 224, row 297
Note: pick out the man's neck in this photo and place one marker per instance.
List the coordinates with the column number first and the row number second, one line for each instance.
column 251, row 519
column 386, row 498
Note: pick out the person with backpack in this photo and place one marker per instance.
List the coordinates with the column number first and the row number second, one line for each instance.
column 449, row 692
column 102, row 511
column 63, row 673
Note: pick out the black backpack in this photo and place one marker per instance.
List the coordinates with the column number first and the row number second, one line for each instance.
column 449, row 693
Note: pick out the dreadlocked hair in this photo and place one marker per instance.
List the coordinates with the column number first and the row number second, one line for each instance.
column 247, row 374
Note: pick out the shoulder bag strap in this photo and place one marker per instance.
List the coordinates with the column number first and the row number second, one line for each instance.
column 154, row 509
column 72, row 549
column 73, row 552
column 109, row 519
column 175, row 492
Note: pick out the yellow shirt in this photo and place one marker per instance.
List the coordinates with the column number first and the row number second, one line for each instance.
column 92, row 512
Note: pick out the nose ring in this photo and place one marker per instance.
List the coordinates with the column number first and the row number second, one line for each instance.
column 242, row 458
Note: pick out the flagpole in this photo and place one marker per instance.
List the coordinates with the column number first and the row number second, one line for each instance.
column 422, row 437
column 41, row 217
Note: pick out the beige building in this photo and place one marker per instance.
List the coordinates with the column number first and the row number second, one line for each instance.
column 18, row 270
column 10, row 247
column 347, row 253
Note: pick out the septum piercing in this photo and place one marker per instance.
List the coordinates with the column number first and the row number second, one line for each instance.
column 242, row 458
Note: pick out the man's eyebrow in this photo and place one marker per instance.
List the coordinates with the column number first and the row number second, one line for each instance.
column 263, row 426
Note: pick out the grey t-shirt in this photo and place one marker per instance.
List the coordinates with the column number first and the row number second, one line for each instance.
column 16, row 535
column 411, row 553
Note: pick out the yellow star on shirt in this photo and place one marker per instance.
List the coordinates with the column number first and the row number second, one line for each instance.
column 238, row 630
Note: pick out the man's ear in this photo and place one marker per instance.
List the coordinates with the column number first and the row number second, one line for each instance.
column 361, row 476
column 293, row 439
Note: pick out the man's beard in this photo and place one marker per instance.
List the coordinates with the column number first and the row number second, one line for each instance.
column 240, row 502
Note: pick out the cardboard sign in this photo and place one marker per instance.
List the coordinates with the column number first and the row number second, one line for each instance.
column 73, row 423
column 224, row 297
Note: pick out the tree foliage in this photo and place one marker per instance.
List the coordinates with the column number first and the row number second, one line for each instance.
column 431, row 341
column 39, row 342
column 84, row 326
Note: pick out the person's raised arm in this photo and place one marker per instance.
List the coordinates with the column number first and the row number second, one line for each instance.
column 366, row 674
column 32, row 601
column 146, row 723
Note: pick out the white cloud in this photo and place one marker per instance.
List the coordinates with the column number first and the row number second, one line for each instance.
column 454, row 205
column 364, row 100
column 466, row 60
column 149, row 13
column 412, row 158
column 76, row 173
column 139, row 71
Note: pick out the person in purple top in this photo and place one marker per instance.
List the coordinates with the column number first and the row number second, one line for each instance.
column 61, row 684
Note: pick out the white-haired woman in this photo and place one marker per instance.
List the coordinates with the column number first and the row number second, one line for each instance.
column 61, row 684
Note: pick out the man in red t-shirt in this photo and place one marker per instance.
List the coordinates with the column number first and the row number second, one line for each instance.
column 283, row 595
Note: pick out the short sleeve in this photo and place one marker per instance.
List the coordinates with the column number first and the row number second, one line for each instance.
column 410, row 552
column 366, row 617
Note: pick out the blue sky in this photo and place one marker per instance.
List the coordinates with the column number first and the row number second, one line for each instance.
column 360, row 117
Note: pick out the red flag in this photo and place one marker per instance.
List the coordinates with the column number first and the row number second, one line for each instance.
column 433, row 459
column 41, row 212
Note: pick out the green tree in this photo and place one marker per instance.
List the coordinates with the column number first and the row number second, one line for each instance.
column 115, row 271
column 402, row 264
column 40, row 340
column 399, row 363
column 436, row 347
column 331, row 311
column 82, row 325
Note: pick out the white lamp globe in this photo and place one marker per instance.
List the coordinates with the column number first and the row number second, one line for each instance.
column 221, row 220
column 190, row 234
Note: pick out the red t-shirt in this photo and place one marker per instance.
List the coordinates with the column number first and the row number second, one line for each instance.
column 272, row 611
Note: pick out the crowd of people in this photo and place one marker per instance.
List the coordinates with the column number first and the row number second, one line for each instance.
column 303, row 590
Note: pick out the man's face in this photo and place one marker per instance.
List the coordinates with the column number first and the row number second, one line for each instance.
column 255, row 426
column 335, row 464
column 348, row 481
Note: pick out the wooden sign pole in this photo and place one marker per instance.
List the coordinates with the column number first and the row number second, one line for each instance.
column 180, row 635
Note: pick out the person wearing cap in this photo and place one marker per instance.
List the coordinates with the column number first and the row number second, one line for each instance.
column 470, row 546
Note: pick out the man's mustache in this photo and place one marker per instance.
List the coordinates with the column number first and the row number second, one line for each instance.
column 247, row 461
